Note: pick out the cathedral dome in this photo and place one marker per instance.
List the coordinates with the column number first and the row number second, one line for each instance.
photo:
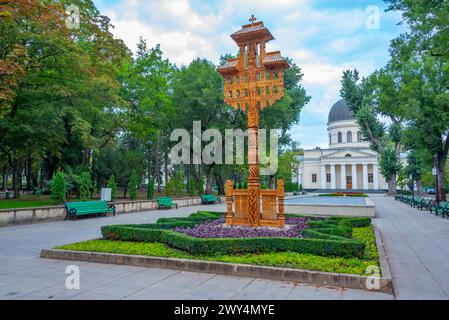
column 340, row 111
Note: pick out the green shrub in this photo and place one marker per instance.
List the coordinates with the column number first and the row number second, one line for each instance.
column 200, row 186
column 58, row 187
column 113, row 185
column 85, row 186
column 151, row 188
column 133, row 186
column 191, row 187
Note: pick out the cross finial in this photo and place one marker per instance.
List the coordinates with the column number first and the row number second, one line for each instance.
column 252, row 19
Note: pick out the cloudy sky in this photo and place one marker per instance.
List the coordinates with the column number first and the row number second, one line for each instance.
column 323, row 37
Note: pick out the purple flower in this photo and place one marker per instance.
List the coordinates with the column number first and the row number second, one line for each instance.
column 217, row 229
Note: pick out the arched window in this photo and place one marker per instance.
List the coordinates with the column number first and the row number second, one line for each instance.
column 349, row 136
column 348, row 155
column 340, row 140
column 359, row 136
column 330, row 138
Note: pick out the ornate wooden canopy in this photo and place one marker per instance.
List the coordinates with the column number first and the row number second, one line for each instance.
column 254, row 68
column 253, row 81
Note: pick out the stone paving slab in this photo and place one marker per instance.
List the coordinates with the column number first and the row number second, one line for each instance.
column 416, row 247
column 23, row 275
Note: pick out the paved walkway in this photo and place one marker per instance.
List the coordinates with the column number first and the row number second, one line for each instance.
column 417, row 245
column 23, row 275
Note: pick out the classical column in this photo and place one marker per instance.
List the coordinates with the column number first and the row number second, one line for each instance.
column 354, row 176
column 343, row 176
column 333, row 182
column 375, row 176
column 323, row 176
column 365, row 176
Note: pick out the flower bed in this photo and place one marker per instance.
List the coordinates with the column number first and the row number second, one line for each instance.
column 217, row 229
column 344, row 245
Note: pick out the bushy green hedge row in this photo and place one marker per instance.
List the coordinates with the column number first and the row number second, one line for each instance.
column 181, row 222
column 334, row 227
column 213, row 246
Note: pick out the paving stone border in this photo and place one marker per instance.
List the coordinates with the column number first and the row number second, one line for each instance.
column 231, row 269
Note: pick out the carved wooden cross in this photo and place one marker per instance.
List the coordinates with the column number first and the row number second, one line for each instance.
column 252, row 19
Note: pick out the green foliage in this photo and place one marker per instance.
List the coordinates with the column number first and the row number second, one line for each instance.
column 327, row 238
column 192, row 186
column 58, row 188
column 133, row 186
column 113, row 185
column 85, row 186
column 151, row 188
column 293, row 260
column 389, row 163
column 176, row 185
column 200, row 186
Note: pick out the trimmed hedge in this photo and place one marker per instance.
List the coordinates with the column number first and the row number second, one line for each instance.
column 215, row 246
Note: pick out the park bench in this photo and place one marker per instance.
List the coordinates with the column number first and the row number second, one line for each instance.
column 166, row 203
column 425, row 203
column 442, row 208
column 416, row 201
column 209, row 198
column 75, row 209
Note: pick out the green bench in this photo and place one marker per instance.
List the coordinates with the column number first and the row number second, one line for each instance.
column 426, row 203
column 209, row 198
column 166, row 203
column 416, row 201
column 442, row 208
column 75, row 209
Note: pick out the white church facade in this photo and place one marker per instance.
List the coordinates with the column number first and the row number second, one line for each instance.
column 348, row 164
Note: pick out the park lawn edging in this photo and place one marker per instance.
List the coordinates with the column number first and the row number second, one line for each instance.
column 351, row 281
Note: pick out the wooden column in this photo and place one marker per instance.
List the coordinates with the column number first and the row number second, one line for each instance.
column 229, row 202
column 280, row 191
column 253, row 142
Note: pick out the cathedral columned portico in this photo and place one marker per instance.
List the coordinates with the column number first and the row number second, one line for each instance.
column 348, row 164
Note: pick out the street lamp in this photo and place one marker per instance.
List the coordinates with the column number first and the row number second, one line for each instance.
column 413, row 187
column 435, row 173
column 149, row 144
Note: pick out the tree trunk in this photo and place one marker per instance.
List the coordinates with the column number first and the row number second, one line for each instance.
column 209, row 180
column 419, row 187
column 220, row 184
column 158, row 165
column 4, row 178
column 166, row 166
column 16, row 178
column 392, row 186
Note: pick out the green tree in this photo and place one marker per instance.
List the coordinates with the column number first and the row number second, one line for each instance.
column 151, row 189
column 113, row 186
column 85, row 183
column 192, row 188
column 58, row 188
column 133, row 186
column 200, row 186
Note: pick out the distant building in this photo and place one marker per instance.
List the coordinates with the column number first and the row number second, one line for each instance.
column 348, row 163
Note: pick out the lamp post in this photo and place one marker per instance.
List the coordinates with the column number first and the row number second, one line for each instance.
column 413, row 188
column 149, row 144
column 435, row 173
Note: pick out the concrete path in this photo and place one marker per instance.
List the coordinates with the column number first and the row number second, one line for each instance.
column 23, row 275
column 417, row 245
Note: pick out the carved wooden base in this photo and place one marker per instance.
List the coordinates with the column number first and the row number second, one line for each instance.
column 271, row 214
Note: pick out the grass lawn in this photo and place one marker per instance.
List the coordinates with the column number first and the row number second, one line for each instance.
column 277, row 259
column 26, row 202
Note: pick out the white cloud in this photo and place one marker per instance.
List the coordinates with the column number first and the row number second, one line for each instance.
column 322, row 42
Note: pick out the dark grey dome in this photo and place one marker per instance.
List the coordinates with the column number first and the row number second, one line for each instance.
column 340, row 111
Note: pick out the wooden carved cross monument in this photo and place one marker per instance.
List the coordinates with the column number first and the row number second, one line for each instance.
column 254, row 80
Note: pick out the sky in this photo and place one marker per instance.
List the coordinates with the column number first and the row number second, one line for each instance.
column 323, row 37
